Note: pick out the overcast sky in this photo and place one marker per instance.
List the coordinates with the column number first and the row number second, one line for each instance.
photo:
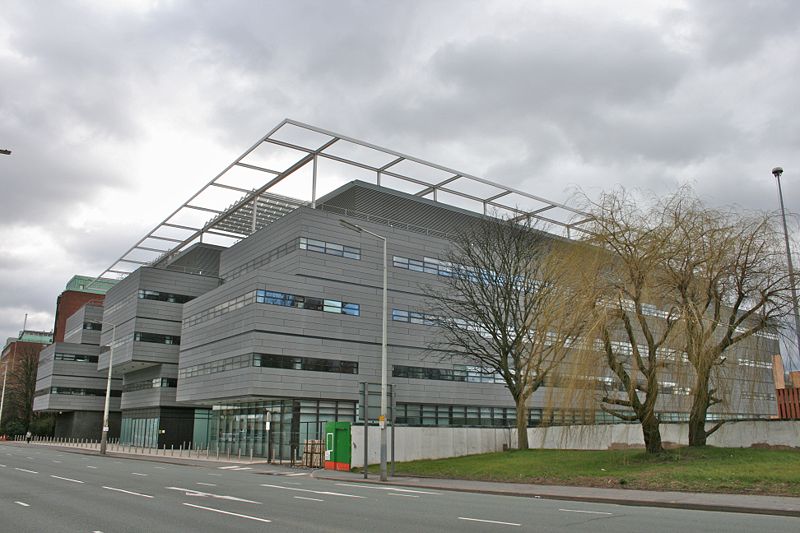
column 117, row 112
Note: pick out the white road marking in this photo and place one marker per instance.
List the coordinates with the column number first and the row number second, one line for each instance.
column 2, row 466
column 228, row 513
column 56, row 461
column 489, row 521
column 192, row 492
column 26, row 470
column 207, row 484
column 393, row 489
column 228, row 467
column 128, row 492
column 160, row 467
column 23, row 504
column 90, row 466
column 213, row 474
column 579, row 511
column 298, row 474
column 311, row 499
column 325, row 493
column 31, row 458
column 406, row 495
column 66, row 479
column 137, row 474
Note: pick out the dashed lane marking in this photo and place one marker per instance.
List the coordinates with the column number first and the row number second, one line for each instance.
column 406, row 495
column 22, row 504
column 207, row 484
column 137, row 474
column 67, row 479
column 581, row 511
column 127, row 492
column 323, row 492
column 192, row 492
column 489, row 521
column 310, row 499
column 228, row 513
column 26, row 470
column 393, row 489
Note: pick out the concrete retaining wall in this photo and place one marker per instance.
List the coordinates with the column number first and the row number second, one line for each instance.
column 437, row 442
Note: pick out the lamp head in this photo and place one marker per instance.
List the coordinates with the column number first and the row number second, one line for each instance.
column 350, row 225
column 777, row 171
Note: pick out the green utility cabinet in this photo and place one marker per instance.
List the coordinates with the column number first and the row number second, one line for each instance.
column 337, row 446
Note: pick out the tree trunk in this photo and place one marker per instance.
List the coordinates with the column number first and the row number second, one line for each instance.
column 522, row 423
column 698, row 413
column 652, row 434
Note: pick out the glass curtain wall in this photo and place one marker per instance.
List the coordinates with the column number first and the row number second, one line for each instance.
column 242, row 428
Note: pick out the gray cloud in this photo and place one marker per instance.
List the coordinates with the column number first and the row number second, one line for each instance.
column 545, row 97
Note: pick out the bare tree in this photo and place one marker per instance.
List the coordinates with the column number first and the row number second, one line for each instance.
column 503, row 307
column 726, row 270
column 633, row 321
column 22, row 382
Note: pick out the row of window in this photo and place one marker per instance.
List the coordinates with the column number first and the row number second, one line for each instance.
column 221, row 309
column 76, row 358
column 86, row 326
column 302, row 243
column 438, row 267
column 154, row 383
column 313, row 364
column 464, row 373
column 77, row 391
column 746, row 395
column 146, row 294
column 261, row 260
column 157, row 338
column 263, row 360
column 330, row 248
column 307, row 302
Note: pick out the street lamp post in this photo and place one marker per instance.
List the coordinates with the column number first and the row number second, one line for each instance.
column 104, row 435
column 384, row 361
column 777, row 171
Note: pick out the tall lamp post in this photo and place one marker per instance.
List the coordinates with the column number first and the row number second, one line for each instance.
column 384, row 362
column 104, row 436
column 777, row 171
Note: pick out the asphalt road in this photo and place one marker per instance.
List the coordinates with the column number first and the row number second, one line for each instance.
column 48, row 490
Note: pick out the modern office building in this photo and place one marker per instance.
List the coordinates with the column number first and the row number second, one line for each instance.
column 271, row 311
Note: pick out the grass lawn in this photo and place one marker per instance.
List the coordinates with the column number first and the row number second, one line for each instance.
column 731, row 470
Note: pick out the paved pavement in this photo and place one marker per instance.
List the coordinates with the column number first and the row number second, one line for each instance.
column 725, row 503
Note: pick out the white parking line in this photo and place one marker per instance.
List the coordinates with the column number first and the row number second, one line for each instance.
column 324, row 493
column 393, row 489
column 23, row 504
column 26, row 470
column 228, row 513
column 310, row 499
column 66, row 479
column 128, row 492
column 489, row 521
column 580, row 511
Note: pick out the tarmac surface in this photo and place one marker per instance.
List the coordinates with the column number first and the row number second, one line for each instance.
column 777, row 506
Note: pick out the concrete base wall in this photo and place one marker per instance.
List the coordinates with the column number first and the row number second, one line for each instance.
column 412, row 443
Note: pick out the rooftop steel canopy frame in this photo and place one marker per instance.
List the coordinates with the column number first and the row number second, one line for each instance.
column 303, row 146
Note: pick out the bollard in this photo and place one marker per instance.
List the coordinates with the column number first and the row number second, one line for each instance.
column 240, row 453
column 217, row 451
column 172, row 450
column 251, row 455
column 180, row 451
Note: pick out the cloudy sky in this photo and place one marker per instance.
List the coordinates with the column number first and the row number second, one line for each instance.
column 117, row 112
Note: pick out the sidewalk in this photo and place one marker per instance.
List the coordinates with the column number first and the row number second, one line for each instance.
column 731, row 503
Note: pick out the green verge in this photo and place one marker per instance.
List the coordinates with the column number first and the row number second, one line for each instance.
column 727, row 470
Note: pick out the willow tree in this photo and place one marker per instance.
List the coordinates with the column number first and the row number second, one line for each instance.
column 633, row 319
column 726, row 271
column 503, row 307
